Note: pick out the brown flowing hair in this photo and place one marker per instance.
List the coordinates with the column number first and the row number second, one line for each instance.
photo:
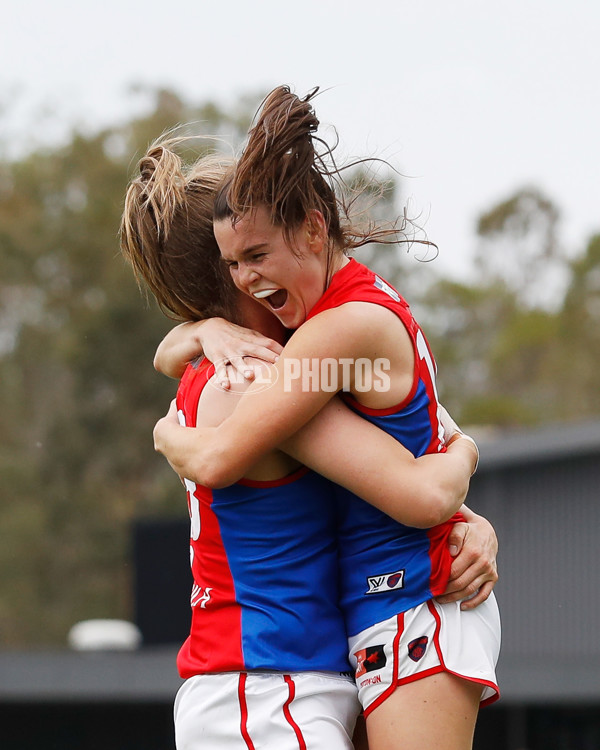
column 291, row 171
column 167, row 234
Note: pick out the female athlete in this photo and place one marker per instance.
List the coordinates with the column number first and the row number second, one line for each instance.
column 267, row 643
column 422, row 668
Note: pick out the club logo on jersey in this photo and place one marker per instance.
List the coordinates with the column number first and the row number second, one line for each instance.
column 417, row 648
column 386, row 582
column 381, row 284
column 369, row 660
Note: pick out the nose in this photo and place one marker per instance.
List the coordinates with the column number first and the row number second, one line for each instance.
column 246, row 275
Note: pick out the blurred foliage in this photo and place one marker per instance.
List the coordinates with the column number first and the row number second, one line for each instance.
column 520, row 345
column 79, row 396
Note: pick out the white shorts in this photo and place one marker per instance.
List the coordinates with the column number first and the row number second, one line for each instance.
column 248, row 711
column 424, row 640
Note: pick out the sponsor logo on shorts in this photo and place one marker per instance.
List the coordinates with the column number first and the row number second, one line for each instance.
column 370, row 681
column 385, row 582
column 369, row 659
column 417, row 648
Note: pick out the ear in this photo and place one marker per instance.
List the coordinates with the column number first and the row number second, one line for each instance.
column 315, row 227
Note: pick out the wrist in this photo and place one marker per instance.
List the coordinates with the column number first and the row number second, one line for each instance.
column 458, row 435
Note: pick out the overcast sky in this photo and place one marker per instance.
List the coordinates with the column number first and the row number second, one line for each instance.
column 471, row 99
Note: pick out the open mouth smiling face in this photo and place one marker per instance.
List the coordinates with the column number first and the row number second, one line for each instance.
column 286, row 281
column 275, row 298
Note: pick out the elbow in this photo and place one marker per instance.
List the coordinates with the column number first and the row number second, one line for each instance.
column 213, row 480
column 427, row 518
column 165, row 367
column 217, row 478
column 214, row 472
column 437, row 506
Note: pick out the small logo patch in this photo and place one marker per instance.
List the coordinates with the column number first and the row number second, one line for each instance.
column 381, row 284
column 417, row 648
column 385, row 582
column 370, row 660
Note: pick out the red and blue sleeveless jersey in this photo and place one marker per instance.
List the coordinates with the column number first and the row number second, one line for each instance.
column 264, row 563
column 386, row 567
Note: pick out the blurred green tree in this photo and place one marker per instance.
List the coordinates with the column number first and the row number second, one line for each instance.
column 580, row 337
column 519, row 346
column 519, row 247
column 79, row 395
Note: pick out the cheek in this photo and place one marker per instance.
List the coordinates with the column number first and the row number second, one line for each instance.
column 235, row 277
column 305, row 280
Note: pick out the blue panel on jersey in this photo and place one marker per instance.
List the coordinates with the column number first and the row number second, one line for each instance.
column 280, row 545
column 411, row 426
column 377, row 554
column 386, row 564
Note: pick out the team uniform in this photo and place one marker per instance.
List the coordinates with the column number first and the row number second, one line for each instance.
column 266, row 660
column 391, row 572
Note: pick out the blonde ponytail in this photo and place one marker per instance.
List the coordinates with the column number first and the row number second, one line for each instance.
column 167, row 236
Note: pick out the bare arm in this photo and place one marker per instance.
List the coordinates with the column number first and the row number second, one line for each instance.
column 354, row 453
column 204, row 455
column 220, row 456
column 222, row 342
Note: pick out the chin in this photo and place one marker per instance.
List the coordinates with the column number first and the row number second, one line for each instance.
column 288, row 321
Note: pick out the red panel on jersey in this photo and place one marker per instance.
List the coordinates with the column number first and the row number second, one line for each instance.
column 215, row 642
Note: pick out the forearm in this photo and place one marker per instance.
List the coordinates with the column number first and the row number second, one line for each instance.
column 220, row 456
column 264, row 418
column 180, row 346
column 352, row 452
column 267, row 415
column 225, row 344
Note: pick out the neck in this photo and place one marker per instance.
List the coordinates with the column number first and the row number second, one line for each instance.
column 337, row 261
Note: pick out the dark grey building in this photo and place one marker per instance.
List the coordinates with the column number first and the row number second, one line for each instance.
column 540, row 490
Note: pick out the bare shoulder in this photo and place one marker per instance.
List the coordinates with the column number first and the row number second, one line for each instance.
column 351, row 329
column 217, row 403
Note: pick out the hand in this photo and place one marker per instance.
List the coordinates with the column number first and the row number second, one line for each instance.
column 224, row 344
column 474, row 573
column 163, row 425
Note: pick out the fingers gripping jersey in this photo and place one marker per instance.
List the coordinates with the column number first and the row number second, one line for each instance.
column 264, row 565
column 387, row 567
